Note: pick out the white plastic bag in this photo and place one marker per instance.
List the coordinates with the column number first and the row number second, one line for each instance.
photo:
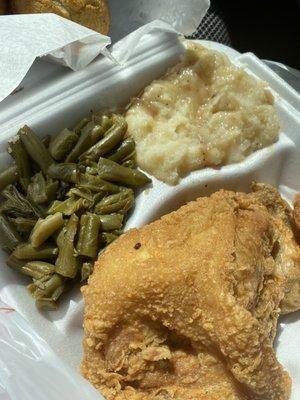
column 23, row 38
column 30, row 370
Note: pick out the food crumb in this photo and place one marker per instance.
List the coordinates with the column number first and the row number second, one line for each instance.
column 137, row 245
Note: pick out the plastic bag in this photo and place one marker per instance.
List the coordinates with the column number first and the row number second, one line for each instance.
column 30, row 370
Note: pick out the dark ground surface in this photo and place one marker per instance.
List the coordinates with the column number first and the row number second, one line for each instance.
column 268, row 28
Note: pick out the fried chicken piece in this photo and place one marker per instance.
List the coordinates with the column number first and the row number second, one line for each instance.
column 286, row 251
column 296, row 213
column 186, row 307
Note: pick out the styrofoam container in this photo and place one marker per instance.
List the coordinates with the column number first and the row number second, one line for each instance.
column 61, row 98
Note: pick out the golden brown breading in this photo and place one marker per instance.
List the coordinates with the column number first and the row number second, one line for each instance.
column 92, row 14
column 286, row 251
column 296, row 213
column 190, row 312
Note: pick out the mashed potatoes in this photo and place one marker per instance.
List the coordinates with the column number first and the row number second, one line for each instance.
column 204, row 112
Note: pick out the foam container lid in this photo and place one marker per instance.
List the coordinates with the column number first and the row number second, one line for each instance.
column 62, row 98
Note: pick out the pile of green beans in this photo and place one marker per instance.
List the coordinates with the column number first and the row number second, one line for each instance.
column 64, row 200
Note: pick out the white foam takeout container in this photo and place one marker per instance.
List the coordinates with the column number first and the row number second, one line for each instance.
column 61, row 98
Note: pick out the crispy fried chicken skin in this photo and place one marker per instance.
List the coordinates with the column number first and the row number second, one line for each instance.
column 186, row 307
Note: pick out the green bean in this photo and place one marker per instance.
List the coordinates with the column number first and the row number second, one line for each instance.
column 107, row 237
column 80, row 125
column 46, row 141
column 36, row 188
column 87, row 244
column 17, row 206
column 86, row 271
column 91, row 170
column 69, row 206
column 129, row 164
column 111, row 139
column 51, row 188
column 118, row 232
column 8, row 176
column 98, row 196
column 119, row 202
column 67, row 172
column 90, row 166
column 66, row 262
column 14, row 263
column 96, row 184
column 84, row 193
column 35, row 148
column 62, row 144
column 90, row 163
column 88, row 195
column 125, row 149
column 57, row 292
column 111, row 222
column 41, row 281
column 114, row 172
column 9, row 236
column 44, row 228
column 96, row 134
column 105, row 122
column 81, row 168
column 90, row 134
column 38, row 269
column 47, row 304
column 52, row 287
column 17, row 151
column 41, row 190
column 63, row 176
column 62, row 190
column 23, row 225
column 34, row 269
column 26, row 251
